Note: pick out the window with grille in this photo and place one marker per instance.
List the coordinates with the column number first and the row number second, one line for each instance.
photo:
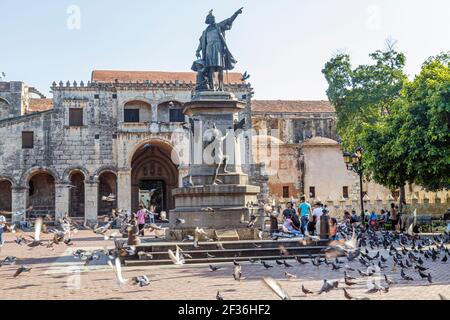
column 286, row 192
column 131, row 115
column 345, row 192
column 176, row 115
column 75, row 117
column 312, row 192
column 27, row 140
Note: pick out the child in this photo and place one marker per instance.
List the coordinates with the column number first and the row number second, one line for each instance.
column 333, row 229
column 373, row 220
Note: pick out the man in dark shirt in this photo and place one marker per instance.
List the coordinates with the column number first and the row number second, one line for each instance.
column 290, row 212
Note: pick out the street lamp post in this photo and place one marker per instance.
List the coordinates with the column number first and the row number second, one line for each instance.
column 354, row 163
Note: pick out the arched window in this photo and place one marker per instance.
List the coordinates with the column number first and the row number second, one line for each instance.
column 4, row 109
column 137, row 111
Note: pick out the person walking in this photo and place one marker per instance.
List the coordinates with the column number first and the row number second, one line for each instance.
column 394, row 217
column 2, row 227
column 141, row 215
column 304, row 210
column 317, row 213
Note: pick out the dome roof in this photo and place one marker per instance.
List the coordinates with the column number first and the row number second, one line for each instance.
column 320, row 141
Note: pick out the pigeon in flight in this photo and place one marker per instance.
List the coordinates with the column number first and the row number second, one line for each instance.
column 276, row 288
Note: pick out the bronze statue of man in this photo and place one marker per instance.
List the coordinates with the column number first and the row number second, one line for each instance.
column 213, row 49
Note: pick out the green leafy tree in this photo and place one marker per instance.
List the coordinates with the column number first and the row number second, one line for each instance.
column 368, row 113
column 425, row 132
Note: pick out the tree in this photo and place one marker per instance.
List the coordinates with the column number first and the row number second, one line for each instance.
column 425, row 132
column 367, row 112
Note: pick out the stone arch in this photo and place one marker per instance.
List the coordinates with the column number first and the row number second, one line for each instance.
column 153, row 168
column 6, row 186
column 101, row 170
column 69, row 171
column 161, row 142
column 10, row 179
column 107, row 185
column 41, row 184
column 77, row 178
column 4, row 108
column 28, row 174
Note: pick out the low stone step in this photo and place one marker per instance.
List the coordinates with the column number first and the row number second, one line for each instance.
column 140, row 263
column 250, row 252
column 227, row 235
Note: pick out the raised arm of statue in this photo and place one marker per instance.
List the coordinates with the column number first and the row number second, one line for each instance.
column 228, row 23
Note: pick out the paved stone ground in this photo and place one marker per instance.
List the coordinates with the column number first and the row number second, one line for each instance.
column 56, row 275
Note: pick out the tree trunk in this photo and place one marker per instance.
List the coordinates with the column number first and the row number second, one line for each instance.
column 402, row 197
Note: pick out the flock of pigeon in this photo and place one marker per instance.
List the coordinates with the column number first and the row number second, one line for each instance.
column 412, row 260
column 408, row 254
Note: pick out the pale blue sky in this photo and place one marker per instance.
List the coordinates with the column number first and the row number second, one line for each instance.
column 283, row 44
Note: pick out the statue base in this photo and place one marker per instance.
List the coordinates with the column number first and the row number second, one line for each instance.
column 214, row 205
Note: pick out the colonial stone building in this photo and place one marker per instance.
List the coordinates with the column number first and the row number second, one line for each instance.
column 124, row 133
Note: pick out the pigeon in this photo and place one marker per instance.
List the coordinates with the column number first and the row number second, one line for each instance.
column 287, row 265
column 301, row 261
column 347, row 267
column 245, row 76
column 405, row 277
column 218, row 296
column 20, row 270
column 348, row 282
column 388, row 281
column 327, row 287
column 214, row 268
column 417, row 267
column 279, row 262
column 348, row 277
column 266, row 265
column 176, row 258
column 180, row 221
column 306, row 291
column 429, row 278
column 423, row 275
column 237, row 273
column 208, row 255
column 276, row 288
column 444, row 259
column 9, row 260
column 289, row 275
column 335, row 267
column 364, row 274
column 117, row 268
column 208, row 209
column 347, row 295
column 142, row 281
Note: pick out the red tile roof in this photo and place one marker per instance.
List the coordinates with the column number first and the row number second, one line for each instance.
column 291, row 106
column 109, row 76
column 37, row 105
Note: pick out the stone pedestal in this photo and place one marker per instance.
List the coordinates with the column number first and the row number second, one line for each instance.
column 229, row 194
column 62, row 200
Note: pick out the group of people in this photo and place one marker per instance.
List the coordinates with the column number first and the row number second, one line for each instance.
column 303, row 220
column 306, row 219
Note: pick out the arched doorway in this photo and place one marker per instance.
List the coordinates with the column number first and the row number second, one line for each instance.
column 107, row 186
column 153, row 169
column 41, row 194
column 77, row 194
column 5, row 195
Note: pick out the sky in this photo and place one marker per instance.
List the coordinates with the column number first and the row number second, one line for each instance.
column 283, row 44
